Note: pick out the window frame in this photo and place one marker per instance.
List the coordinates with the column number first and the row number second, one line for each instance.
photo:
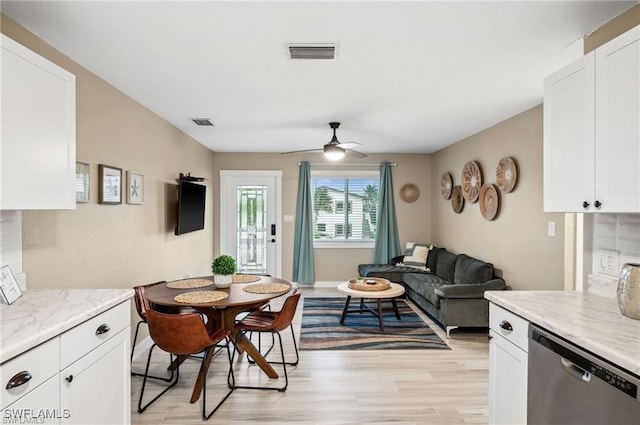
column 347, row 243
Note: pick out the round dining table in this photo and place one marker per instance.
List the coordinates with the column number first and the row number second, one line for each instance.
column 222, row 314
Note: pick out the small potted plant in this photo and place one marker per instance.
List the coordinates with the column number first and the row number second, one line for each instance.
column 223, row 268
column 359, row 280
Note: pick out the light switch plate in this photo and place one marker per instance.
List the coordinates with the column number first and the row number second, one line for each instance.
column 607, row 262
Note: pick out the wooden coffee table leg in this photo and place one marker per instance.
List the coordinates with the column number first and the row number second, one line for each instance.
column 380, row 314
column 346, row 307
column 395, row 308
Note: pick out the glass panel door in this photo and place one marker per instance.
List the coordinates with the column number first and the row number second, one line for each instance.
column 251, row 232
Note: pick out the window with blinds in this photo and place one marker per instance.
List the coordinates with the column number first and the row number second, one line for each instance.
column 345, row 205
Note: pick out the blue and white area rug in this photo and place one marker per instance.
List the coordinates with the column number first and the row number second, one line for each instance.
column 321, row 328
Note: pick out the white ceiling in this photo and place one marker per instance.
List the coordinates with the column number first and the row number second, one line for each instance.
column 410, row 76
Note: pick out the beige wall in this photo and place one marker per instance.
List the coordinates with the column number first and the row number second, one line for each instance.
column 516, row 242
column 101, row 246
column 618, row 25
column 338, row 264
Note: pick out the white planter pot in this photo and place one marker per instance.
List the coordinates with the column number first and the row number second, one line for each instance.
column 222, row 280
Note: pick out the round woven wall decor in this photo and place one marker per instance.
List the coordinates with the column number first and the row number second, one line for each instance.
column 409, row 192
column 457, row 200
column 471, row 181
column 489, row 201
column 507, row 174
column 446, row 185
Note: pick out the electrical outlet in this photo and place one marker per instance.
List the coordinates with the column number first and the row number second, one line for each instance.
column 608, row 262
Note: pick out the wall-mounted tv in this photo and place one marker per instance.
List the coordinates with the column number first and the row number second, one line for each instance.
column 191, row 206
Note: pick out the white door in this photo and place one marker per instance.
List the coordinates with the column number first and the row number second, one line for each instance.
column 250, row 208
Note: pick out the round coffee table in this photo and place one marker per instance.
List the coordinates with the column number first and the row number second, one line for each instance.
column 388, row 294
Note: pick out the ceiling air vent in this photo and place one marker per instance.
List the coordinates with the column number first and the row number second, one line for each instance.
column 312, row 51
column 202, row 121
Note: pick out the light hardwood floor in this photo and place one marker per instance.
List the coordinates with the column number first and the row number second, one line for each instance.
column 337, row 387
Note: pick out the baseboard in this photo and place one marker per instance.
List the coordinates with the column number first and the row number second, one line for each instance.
column 326, row 284
column 142, row 347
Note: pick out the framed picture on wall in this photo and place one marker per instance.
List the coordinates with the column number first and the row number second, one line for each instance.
column 9, row 289
column 109, row 185
column 135, row 188
column 82, row 182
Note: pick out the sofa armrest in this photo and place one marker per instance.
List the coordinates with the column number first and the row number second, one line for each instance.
column 473, row 290
column 396, row 260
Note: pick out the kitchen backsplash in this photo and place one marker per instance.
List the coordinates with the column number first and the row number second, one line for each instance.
column 11, row 243
column 616, row 240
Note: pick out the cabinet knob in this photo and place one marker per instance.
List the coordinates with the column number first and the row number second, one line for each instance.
column 597, row 204
column 18, row 379
column 585, row 205
column 103, row 329
column 69, row 378
column 506, row 325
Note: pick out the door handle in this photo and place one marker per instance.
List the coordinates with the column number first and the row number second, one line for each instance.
column 273, row 241
column 506, row 325
column 574, row 370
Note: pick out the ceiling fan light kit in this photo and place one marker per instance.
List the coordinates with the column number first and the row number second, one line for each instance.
column 333, row 153
column 334, row 150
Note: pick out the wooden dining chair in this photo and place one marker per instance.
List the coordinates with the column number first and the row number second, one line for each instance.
column 184, row 335
column 273, row 322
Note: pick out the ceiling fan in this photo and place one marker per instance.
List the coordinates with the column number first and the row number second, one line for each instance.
column 334, row 150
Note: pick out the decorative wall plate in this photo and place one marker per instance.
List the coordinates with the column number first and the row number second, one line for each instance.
column 409, row 192
column 489, row 201
column 507, row 174
column 457, row 200
column 446, row 184
column 471, row 181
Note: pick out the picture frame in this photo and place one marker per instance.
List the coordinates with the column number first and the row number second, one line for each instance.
column 9, row 288
column 109, row 185
column 83, row 182
column 135, row 188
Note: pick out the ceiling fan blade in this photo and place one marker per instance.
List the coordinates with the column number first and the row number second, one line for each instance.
column 349, row 145
column 304, row 150
column 355, row 153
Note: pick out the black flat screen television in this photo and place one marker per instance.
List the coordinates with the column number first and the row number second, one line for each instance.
column 191, row 206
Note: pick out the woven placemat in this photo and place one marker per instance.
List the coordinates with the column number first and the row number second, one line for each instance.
column 199, row 297
column 189, row 283
column 245, row 278
column 266, row 288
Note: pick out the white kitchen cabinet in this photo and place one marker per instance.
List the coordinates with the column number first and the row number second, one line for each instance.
column 96, row 388
column 592, row 131
column 507, row 367
column 38, row 135
column 81, row 376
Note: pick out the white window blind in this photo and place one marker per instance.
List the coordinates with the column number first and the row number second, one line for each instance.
column 345, row 205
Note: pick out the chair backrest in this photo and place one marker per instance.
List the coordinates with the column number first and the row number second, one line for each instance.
column 182, row 334
column 142, row 305
column 285, row 316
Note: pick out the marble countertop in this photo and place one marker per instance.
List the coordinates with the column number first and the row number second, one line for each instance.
column 590, row 321
column 41, row 314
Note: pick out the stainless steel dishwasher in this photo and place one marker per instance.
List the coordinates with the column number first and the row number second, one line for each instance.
column 567, row 385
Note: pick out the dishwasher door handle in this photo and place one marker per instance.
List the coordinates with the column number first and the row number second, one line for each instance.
column 574, row 370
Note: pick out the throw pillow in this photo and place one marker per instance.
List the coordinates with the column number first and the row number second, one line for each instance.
column 408, row 248
column 419, row 257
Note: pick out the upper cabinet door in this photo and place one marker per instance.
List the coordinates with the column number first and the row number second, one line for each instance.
column 38, row 135
column 618, row 123
column 569, row 137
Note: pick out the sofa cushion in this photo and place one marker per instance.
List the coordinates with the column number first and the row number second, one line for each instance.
column 446, row 265
column 432, row 258
column 387, row 271
column 469, row 270
column 425, row 285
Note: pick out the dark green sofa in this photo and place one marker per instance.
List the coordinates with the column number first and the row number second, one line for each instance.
column 451, row 289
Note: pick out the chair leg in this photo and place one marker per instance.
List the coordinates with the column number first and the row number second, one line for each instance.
column 133, row 347
column 142, row 408
column 204, row 369
column 283, row 363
